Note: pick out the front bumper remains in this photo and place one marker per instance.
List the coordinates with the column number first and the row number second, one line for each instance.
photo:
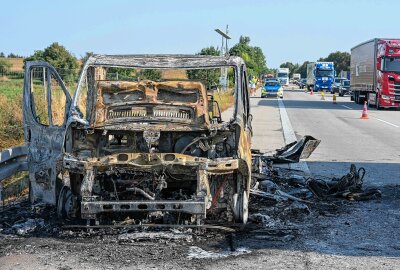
column 197, row 205
column 90, row 209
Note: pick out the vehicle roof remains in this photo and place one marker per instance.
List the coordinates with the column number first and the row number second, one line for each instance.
column 164, row 61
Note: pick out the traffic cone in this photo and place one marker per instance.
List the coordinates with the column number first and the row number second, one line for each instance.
column 364, row 114
column 322, row 95
column 334, row 99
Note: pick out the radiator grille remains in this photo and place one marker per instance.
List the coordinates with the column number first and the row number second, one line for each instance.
column 127, row 113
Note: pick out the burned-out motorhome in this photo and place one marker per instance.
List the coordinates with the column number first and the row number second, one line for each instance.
column 134, row 144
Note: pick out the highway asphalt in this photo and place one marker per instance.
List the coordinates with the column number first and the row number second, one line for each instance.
column 345, row 138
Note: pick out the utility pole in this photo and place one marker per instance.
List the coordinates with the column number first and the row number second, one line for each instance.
column 224, row 52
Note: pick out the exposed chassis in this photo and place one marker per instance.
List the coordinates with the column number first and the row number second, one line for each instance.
column 198, row 205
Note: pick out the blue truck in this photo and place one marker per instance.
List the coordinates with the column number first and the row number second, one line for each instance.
column 320, row 76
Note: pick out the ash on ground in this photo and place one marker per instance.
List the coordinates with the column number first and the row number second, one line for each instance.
column 285, row 213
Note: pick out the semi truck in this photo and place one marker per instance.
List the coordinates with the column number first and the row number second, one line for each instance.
column 375, row 73
column 296, row 77
column 283, row 76
column 320, row 76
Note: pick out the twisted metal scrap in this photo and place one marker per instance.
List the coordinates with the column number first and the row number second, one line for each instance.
column 349, row 186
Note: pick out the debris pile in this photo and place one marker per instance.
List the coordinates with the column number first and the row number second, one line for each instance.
column 28, row 226
column 24, row 219
column 282, row 198
column 349, row 186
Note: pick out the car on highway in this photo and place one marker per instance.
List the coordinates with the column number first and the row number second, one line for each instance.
column 344, row 88
column 272, row 88
column 302, row 83
column 270, row 79
column 336, row 85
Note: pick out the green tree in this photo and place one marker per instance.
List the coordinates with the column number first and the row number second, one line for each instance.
column 209, row 76
column 57, row 56
column 115, row 73
column 341, row 60
column 11, row 55
column 86, row 57
column 302, row 69
column 210, row 51
column 2, row 55
column 150, row 74
column 252, row 56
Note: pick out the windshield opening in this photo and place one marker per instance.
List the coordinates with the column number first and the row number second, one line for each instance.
column 128, row 93
column 271, row 84
column 324, row 73
column 391, row 64
column 346, row 83
column 280, row 75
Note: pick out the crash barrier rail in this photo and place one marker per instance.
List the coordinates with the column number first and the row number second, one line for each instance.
column 12, row 161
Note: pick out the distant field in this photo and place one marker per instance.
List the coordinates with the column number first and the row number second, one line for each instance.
column 174, row 74
column 17, row 64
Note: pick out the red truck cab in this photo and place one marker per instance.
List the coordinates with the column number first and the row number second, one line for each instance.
column 387, row 75
column 375, row 73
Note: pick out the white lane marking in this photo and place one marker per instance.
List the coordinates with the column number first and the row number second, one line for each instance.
column 385, row 122
column 347, row 107
column 288, row 132
column 290, row 136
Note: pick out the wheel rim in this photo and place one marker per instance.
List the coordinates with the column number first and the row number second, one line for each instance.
column 241, row 207
column 245, row 208
column 65, row 203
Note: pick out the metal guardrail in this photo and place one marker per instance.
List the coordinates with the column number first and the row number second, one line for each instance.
column 13, row 160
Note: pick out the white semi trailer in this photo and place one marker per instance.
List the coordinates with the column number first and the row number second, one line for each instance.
column 283, row 76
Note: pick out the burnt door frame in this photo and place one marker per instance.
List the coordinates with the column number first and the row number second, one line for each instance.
column 45, row 142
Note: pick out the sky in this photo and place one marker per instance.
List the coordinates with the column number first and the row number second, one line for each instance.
column 293, row 31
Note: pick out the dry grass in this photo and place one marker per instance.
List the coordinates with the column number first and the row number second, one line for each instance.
column 11, row 114
column 225, row 99
column 174, row 74
column 15, row 187
column 17, row 64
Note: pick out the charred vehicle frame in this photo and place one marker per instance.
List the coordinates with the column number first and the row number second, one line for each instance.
column 155, row 151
